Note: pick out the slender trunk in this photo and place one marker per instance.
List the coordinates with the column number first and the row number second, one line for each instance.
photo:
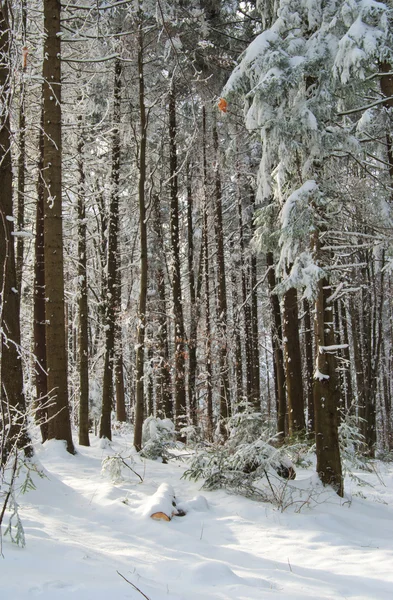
column 347, row 370
column 83, row 332
column 140, row 346
column 237, row 339
column 293, row 365
column 325, row 382
column 41, row 384
column 308, row 342
column 56, row 354
column 21, row 158
column 192, row 338
column 277, row 349
column 164, row 402
column 112, row 302
column 180, row 341
column 205, row 242
column 246, row 310
column 222, row 308
column 13, row 418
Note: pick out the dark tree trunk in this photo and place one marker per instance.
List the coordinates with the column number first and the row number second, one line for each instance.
column 21, row 158
column 13, row 418
column 222, row 308
column 246, row 311
column 325, row 383
column 205, row 242
column 59, row 426
column 140, row 347
column 192, row 338
column 293, row 365
column 83, row 333
column 309, row 366
column 180, row 336
column 279, row 371
column 41, row 386
column 112, row 302
column 164, row 401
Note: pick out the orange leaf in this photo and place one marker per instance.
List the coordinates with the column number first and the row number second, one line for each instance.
column 222, row 105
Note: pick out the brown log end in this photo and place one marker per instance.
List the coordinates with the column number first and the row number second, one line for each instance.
column 160, row 516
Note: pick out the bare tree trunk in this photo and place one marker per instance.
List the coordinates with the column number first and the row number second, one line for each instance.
column 246, row 311
column 308, row 342
column 112, row 301
column 222, row 308
column 180, row 335
column 13, row 418
column 192, row 338
column 205, row 242
column 41, row 384
column 21, row 158
column 56, row 355
column 237, row 340
column 83, row 332
column 293, row 365
column 277, row 349
column 140, row 347
column 164, row 401
column 325, row 382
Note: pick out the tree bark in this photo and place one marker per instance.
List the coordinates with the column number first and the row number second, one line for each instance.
column 113, row 296
column 83, row 333
column 21, row 158
column 180, row 336
column 56, row 355
column 13, row 418
column 222, row 308
column 140, row 346
column 277, row 349
column 325, row 382
column 41, row 384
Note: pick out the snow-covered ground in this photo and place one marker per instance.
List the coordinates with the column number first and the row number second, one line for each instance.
column 85, row 534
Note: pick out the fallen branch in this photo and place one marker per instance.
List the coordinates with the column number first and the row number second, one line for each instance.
column 134, row 586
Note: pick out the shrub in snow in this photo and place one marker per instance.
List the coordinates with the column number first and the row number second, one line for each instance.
column 243, row 461
column 117, row 465
column 158, row 437
column 352, row 445
column 15, row 479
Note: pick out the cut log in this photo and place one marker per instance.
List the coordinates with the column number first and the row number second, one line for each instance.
column 160, row 516
column 162, row 505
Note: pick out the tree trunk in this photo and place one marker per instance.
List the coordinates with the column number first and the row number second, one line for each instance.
column 192, row 338
column 277, row 349
column 293, row 365
column 140, row 346
column 164, row 402
column 205, row 242
column 83, row 333
column 41, row 384
column 56, row 355
column 325, row 382
column 13, row 418
column 113, row 295
column 180, row 341
column 21, row 158
column 308, row 343
column 222, row 308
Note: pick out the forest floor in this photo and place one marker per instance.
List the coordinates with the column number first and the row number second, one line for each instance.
column 85, row 534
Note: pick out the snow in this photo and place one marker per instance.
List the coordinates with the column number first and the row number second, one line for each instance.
column 82, row 531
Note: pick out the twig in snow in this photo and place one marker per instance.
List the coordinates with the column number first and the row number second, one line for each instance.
column 134, row 586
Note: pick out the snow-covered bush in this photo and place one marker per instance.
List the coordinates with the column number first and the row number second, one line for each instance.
column 243, row 461
column 117, row 465
column 352, row 445
column 15, row 479
column 158, row 437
